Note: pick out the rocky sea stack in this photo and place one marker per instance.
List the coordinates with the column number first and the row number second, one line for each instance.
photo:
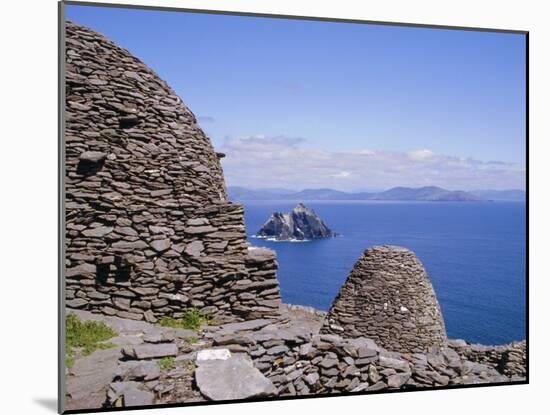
column 300, row 224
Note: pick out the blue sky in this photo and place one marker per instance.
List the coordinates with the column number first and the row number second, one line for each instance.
column 352, row 106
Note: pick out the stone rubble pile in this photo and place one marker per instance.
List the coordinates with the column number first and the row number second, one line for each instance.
column 139, row 378
column 299, row 362
column 510, row 359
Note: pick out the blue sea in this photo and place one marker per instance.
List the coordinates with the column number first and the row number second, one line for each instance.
column 474, row 253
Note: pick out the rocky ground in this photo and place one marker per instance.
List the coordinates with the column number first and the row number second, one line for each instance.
column 259, row 358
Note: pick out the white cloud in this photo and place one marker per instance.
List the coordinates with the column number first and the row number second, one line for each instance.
column 366, row 152
column 280, row 161
column 420, row 154
column 341, row 175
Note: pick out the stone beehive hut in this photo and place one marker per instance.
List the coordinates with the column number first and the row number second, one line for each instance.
column 149, row 229
column 389, row 298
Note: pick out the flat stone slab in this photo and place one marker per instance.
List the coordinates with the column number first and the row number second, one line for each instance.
column 138, row 370
column 238, row 338
column 89, row 378
column 392, row 363
column 231, row 378
column 98, row 232
column 161, row 245
column 93, row 156
column 151, row 350
column 136, row 397
column 132, row 396
column 194, row 249
column 244, row 326
column 91, row 374
column 259, row 254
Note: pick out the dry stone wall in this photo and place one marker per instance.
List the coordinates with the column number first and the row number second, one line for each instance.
column 389, row 298
column 149, row 229
column 300, row 361
column 510, row 359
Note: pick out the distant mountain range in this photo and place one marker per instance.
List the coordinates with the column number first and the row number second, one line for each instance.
column 428, row 193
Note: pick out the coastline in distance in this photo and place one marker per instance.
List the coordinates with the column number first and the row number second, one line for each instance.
column 427, row 193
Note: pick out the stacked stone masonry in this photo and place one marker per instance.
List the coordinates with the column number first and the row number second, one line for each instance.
column 389, row 298
column 510, row 359
column 149, row 229
column 304, row 363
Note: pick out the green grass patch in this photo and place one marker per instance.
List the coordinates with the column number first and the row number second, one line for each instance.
column 87, row 336
column 167, row 362
column 69, row 359
column 191, row 320
column 191, row 339
column 189, row 365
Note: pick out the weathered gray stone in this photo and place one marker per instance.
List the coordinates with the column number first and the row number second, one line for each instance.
column 138, row 370
column 234, row 339
column 132, row 396
column 161, row 192
column 277, row 350
column 81, row 269
column 126, row 230
column 232, row 378
column 76, row 303
column 328, row 363
column 312, row 378
column 194, row 249
column 361, row 387
column 397, row 380
column 393, row 363
column 151, row 351
column 91, row 374
column 198, row 222
column 377, row 386
column 244, row 326
column 366, row 352
column 129, row 246
column 93, row 156
column 96, row 81
column 150, row 316
column 199, row 229
column 98, row 232
column 161, row 245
